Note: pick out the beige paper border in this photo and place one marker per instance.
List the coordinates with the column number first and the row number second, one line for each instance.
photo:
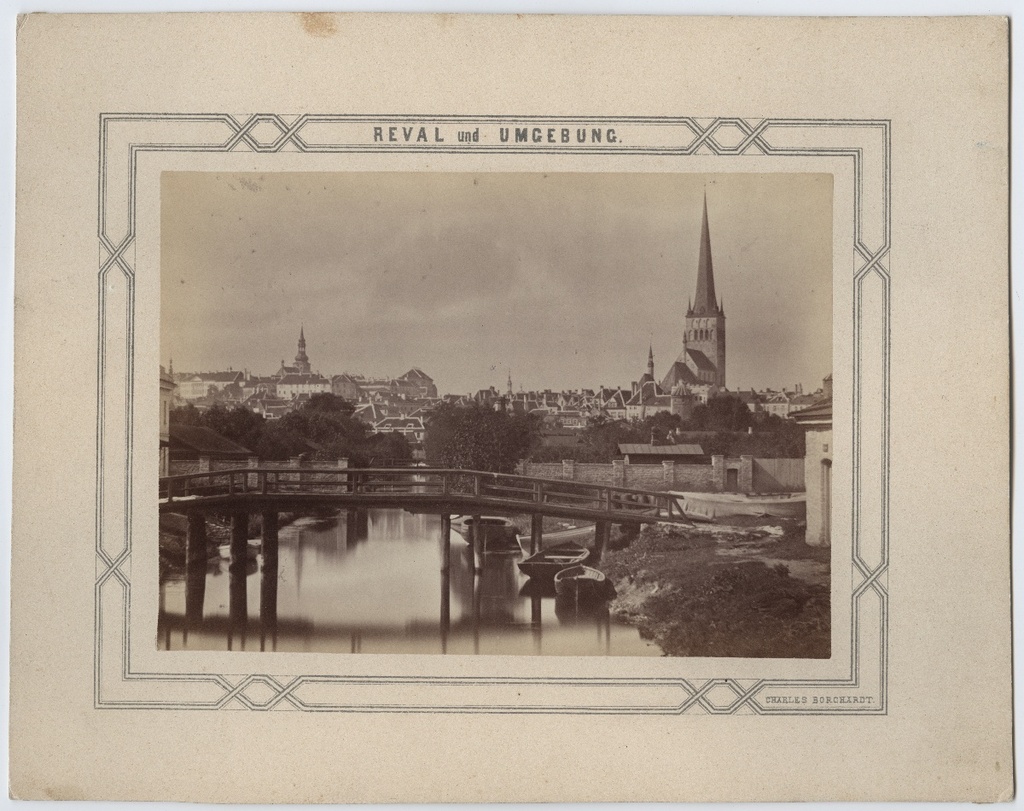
column 51, row 668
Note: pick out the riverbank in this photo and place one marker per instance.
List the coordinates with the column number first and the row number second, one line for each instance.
column 750, row 589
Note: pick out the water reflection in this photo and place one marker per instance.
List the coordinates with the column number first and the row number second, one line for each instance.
column 374, row 581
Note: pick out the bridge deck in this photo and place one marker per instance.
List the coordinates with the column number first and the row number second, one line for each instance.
column 433, row 490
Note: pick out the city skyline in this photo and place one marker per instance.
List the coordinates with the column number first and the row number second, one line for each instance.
column 560, row 279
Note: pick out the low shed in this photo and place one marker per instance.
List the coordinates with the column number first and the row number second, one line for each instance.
column 656, row 454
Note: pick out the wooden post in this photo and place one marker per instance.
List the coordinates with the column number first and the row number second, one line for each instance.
column 479, row 542
column 446, row 609
column 536, row 533
column 268, row 580
column 195, row 568
column 238, row 603
column 446, row 542
column 601, row 533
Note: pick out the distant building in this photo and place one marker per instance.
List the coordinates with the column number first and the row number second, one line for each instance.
column 195, row 386
column 166, row 402
column 410, row 427
column 613, row 402
column 817, row 419
column 751, row 399
column 344, row 385
column 291, row 386
column 416, row 383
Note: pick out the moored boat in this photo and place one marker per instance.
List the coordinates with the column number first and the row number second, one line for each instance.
column 560, row 536
column 723, row 505
column 548, row 562
column 699, row 513
column 495, row 532
column 584, row 582
column 253, row 547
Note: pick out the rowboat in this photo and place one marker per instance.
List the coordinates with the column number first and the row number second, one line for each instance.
column 253, row 548
column 583, row 582
column 699, row 513
column 495, row 532
column 724, row 505
column 548, row 562
column 561, row 536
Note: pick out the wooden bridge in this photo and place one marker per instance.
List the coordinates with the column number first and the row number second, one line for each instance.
column 440, row 491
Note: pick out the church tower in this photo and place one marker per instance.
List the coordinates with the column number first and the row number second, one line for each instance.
column 702, row 361
column 705, row 318
column 301, row 359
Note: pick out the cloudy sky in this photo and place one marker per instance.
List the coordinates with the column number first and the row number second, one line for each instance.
column 561, row 278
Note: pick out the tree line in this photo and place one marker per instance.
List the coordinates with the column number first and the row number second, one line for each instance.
column 477, row 437
column 321, row 429
column 724, row 425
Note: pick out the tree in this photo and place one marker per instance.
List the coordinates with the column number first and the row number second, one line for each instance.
column 388, row 448
column 186, row 415
column 329, row 404
column 722, row 413
column 478, row 438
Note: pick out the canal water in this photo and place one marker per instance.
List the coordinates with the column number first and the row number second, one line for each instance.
column 371, row 581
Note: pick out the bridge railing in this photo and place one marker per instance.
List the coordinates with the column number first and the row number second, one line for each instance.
column 504, row 490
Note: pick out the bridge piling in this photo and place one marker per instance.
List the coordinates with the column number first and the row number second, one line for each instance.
column 602, row 531
column 268, row 579
column 238, row 603
column 479, row 541
column 446, row 542
column 536, row 533
column 195, row 568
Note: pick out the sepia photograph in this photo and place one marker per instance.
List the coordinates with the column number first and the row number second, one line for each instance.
column 579, row 414
column 511, row 381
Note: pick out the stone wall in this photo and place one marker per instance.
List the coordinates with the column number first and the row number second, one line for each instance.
column 666, row 476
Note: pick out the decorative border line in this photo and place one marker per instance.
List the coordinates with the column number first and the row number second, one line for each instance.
column 123, row 688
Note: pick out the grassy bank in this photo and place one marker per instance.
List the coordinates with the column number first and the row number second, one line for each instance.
column 753, row 591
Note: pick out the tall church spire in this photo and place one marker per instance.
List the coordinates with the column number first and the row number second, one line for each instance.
column 301, row 358
column 705, row 302
column 650, row 360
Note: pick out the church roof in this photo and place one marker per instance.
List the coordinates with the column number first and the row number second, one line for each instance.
column 705, row 302
column 678, row 372
column 700, row 360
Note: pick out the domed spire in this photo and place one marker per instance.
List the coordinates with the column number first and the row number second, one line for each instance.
column 301, row 359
